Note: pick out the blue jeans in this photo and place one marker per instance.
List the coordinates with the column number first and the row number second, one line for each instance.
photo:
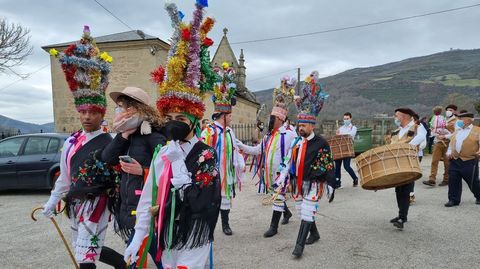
column 152, row 250
column 348, row 168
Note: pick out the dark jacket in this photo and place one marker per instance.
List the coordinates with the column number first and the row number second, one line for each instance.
column 318, row 164
column 196, row 215
column 141, row 148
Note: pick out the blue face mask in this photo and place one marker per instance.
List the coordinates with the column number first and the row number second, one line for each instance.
column 397, row 122
column 346, row 122
column 460, row 124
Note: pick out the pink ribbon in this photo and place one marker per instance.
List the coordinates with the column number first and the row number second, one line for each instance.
column 78, row 145
column 163, row 190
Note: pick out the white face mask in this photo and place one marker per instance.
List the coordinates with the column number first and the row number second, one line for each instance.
column 127, row 124
column 448, row 113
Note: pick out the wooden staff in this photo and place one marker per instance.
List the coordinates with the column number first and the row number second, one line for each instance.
column 67, row 246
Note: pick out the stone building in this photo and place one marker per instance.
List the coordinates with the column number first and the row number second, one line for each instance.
column 135, row 54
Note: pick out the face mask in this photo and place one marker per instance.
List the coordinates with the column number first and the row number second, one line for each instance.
column 271, row 122
column 125, row 124
column 448, row 113
column 460, row 124
column 346, row 122
column 177, row 130
column 397, row 122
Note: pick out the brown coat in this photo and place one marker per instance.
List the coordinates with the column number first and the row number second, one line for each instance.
column 470, row 145
column 406, row 138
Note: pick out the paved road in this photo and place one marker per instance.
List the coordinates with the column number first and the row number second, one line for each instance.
column 355, row 233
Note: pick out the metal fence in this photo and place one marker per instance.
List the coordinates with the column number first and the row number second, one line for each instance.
column 5, row 134
column 245, row 132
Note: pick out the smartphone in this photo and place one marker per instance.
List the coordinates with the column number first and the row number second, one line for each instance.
column 126, row 159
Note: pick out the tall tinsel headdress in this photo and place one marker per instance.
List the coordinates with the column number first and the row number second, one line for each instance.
column 224, row 89
column 311, row 103
column 86, row 71
column 188, row 74
column 283, row 97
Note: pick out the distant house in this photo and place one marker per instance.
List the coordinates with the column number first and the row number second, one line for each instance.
column 135, row 54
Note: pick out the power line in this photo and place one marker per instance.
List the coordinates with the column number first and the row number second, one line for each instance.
column 269, row 75
column 113, row 15
column 355, row 26
column 24, row 77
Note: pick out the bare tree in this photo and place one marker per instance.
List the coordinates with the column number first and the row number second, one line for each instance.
column 14, row 45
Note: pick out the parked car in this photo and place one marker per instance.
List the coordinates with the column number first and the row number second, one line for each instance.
column 30, row 161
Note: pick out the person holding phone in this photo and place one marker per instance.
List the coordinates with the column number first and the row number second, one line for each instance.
column 139, row 132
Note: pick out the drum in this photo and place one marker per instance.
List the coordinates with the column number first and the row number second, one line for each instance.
column 388, row 166
column 341, row 146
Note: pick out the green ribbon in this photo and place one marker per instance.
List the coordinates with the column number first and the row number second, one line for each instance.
column 172, row 220
column 194, row 120
column 154, row 201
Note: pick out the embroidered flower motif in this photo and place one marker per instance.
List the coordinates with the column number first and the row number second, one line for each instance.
column 95, row 172
column 206, row 169
column 324, row 161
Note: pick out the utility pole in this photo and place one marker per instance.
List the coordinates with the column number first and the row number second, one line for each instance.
column 298, row 81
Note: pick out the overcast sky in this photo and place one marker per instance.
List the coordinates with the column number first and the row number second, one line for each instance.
column 55, row 21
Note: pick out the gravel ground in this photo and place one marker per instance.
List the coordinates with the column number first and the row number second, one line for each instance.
column 355, row 232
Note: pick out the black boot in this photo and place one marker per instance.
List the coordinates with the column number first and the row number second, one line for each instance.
column 286, row 214
column 225, row 226
column 273, row 224
column 302, row 237
column 113, row 258
column 87, row 266
column 314, row 235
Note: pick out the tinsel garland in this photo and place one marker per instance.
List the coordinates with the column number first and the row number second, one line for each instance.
column 69, row 71
column 95, row 99
column 87, row 64
column 206, row 27
column 166, row 104
column 224, row 88
column 193, row 70
column 209, row 76
column 86, row 92
column 283, row 96
column 313, row 96
column 172, row 11
column 92, row 107
column 158, row 75
column 85, row 69
column 187, row 74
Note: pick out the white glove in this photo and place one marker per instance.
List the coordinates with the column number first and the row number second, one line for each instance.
column 280, row 181
column 181, row 176
column 49, row 208
column 131, row 252
column 174, row 152
column 239, row 143
column 48, row 213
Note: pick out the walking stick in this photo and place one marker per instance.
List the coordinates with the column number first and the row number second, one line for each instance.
column 70, row 253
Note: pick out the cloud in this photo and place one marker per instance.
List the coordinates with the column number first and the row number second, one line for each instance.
column 57, row 21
